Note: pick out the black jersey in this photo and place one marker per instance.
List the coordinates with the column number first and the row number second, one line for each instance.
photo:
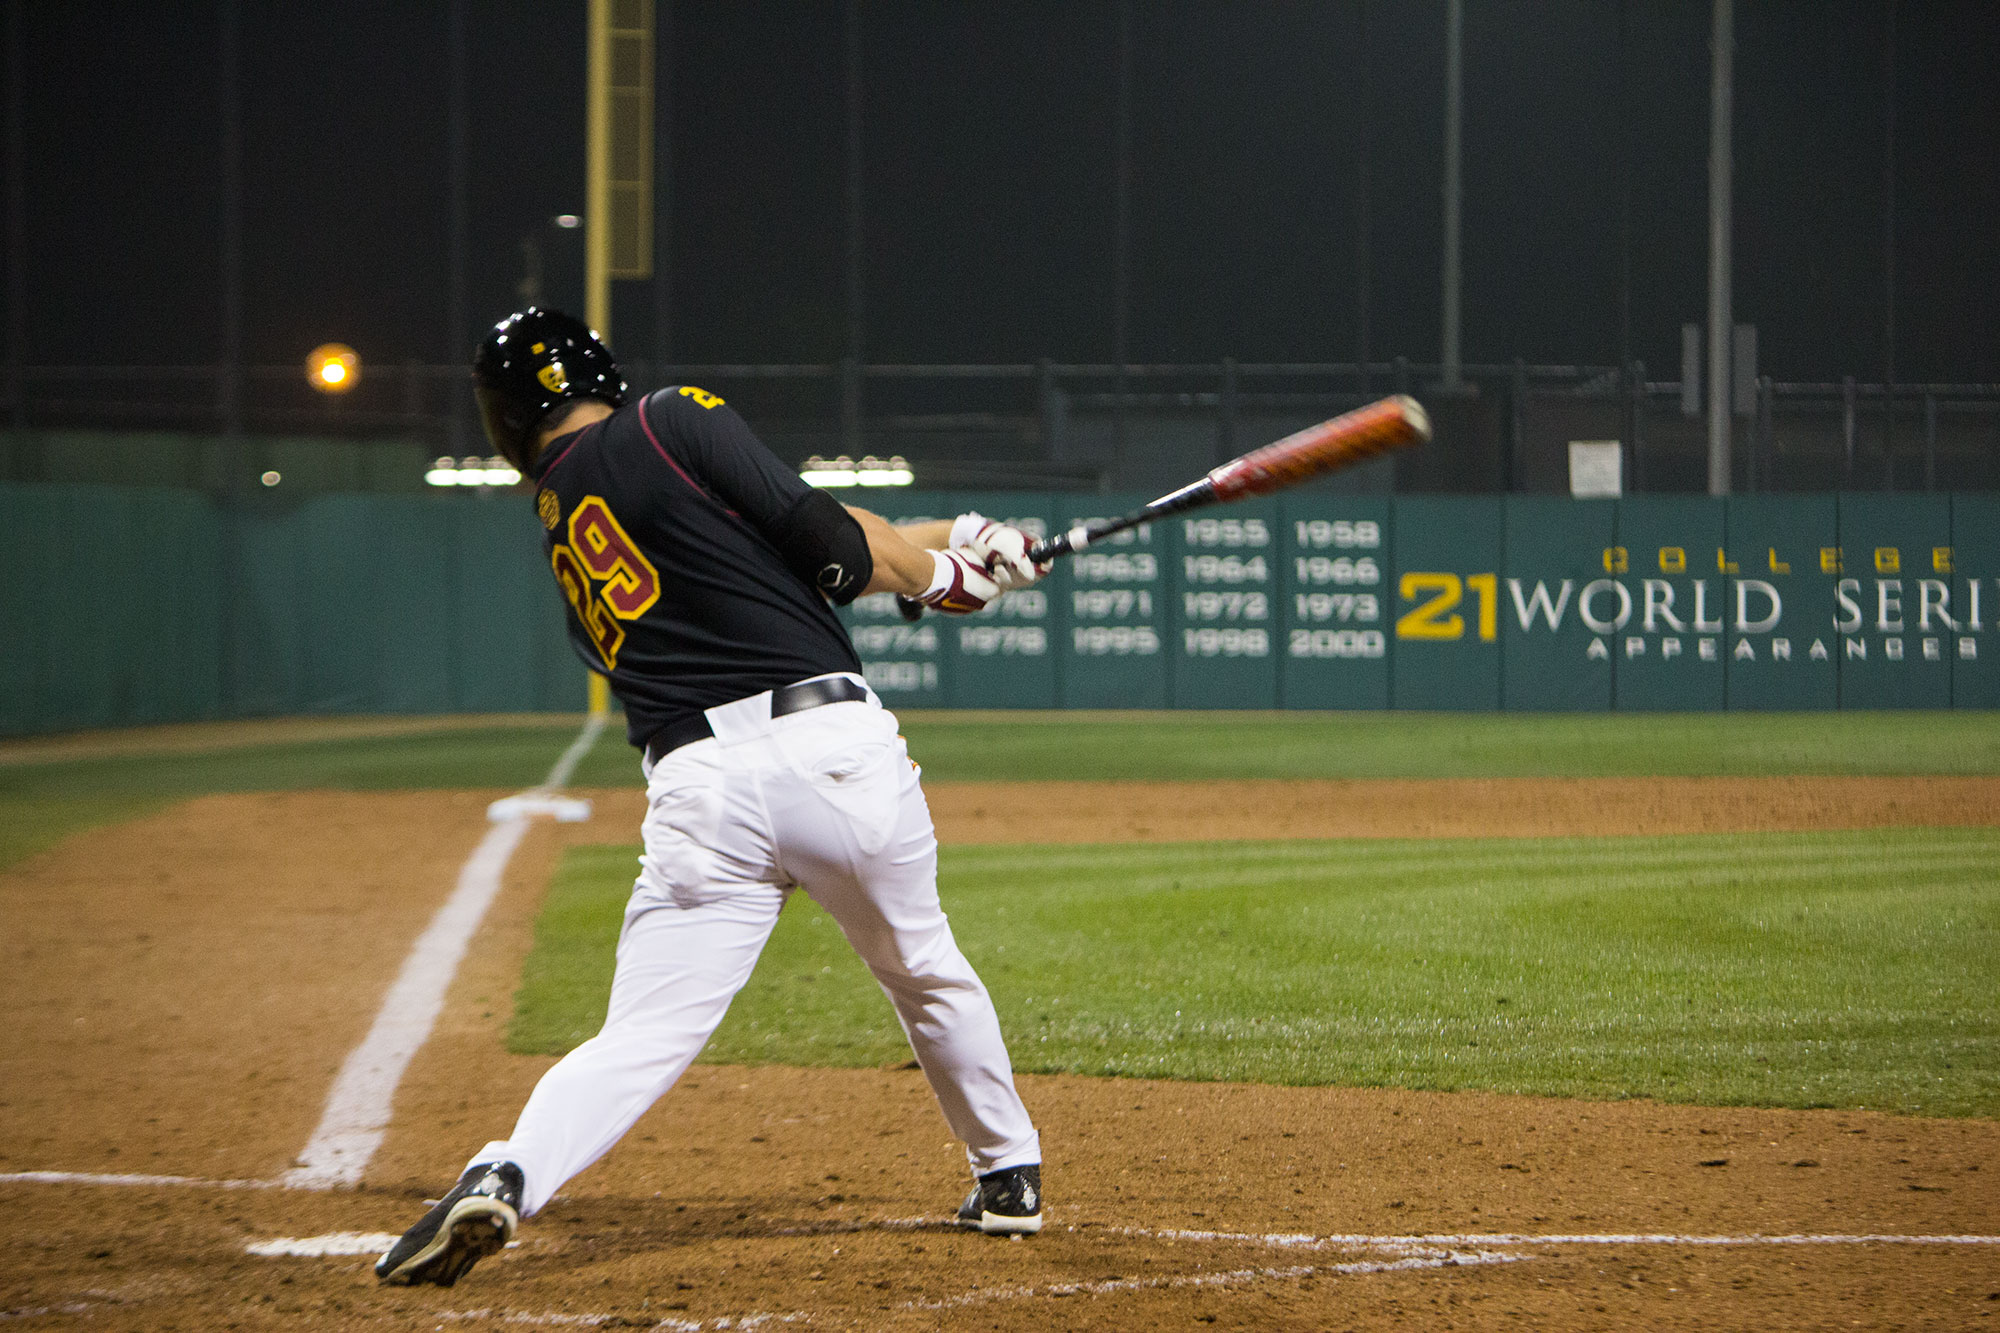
column 662, row 524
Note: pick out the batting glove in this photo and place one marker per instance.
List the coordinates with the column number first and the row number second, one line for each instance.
column 1002, row 549
column 959, row 585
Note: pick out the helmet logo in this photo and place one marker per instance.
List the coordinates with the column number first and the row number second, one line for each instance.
column 553, row 377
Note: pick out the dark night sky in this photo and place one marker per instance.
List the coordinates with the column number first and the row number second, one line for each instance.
column 989, row 179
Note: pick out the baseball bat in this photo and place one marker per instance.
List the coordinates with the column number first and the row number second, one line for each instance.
column 1395, row 422
column 1353, row 437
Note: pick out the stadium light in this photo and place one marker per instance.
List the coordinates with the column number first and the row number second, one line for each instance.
column 844, row 471
column 333, row 368
column 448, row 471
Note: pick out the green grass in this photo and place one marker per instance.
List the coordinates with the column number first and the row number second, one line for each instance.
column 1461, row 745
column 1845, row 969
column 43, row 802
column 1850, row 969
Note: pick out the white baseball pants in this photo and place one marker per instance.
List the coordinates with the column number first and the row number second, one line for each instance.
column 826, row 800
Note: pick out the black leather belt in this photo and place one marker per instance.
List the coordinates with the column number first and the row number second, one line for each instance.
column 784, row 700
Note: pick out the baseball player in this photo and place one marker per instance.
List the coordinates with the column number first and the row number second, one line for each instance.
column 701, row 575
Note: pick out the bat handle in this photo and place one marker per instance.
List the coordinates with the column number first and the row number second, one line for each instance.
column 1063, row 543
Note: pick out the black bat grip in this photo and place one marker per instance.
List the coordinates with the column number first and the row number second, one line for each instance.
column 1048, row 548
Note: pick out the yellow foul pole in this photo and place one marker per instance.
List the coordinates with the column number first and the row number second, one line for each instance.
column 618, row 156
column 597, row 169
column 597, row 218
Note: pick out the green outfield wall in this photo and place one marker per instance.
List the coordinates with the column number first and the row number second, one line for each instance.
column 1535, row 603
column 127, row 605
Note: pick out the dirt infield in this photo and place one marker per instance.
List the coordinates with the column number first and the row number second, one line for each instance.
column 180, row 991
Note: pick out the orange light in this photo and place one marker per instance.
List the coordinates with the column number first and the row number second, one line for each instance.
column 333, row 368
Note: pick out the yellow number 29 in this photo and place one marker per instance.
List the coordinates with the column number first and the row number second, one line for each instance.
column 702, row 396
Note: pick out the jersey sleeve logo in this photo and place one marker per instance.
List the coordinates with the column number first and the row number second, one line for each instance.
column 549, row 509
column 603, row 574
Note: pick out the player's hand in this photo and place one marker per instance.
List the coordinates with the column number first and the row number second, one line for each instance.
column 1002, row 549
column 960, row 585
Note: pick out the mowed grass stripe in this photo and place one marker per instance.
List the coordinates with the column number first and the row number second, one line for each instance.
column 1801, row 856
column 1190, row 745
column 1827, row 969
column 43, row 801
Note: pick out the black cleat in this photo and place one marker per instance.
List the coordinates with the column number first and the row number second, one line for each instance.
column 471, row 1222
column 1007, row 1202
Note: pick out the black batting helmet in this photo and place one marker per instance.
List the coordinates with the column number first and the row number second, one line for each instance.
column 532, row 363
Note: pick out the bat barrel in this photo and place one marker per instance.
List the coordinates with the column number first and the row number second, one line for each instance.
column 1390, row 423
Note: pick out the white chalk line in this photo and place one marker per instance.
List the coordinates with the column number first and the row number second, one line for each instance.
column 1411, row 1253
column 1274, row 1239
column 1236, row 1278
column 36, row 1311
column 356, row 1118
column 101, row 1178
column 1050, row 1291
column 559, row 776
column 669, row 1324
column 334, row 1244
column 1290, row 1240
column 1403, row 1253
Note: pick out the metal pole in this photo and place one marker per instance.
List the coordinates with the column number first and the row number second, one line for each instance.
column 456, row 314
column 1637, row 437
column 1848, row 400
column 1764, row 443
column 1624, row 187
column 235, row 474
column 1363, row 263
column 850, row 398
column 1930, row 441
column 229, row 387
column 1225, row 447
column 663, row 188
column 1889, row 252
column 1121, row 297
column 1517, row 424
column 1631, row 385
column 1454, row 75
column 413, row 394
column 17, row 220
column 1047, row 407
column 1722, row 57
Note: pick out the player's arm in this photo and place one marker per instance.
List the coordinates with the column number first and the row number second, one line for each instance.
column 1000, row 550
column 915, row 560
column 823, row 542
column 903, row 560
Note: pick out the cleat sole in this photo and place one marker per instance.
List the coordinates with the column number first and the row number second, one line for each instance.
column 477, row 1227
column 1001, row 1224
